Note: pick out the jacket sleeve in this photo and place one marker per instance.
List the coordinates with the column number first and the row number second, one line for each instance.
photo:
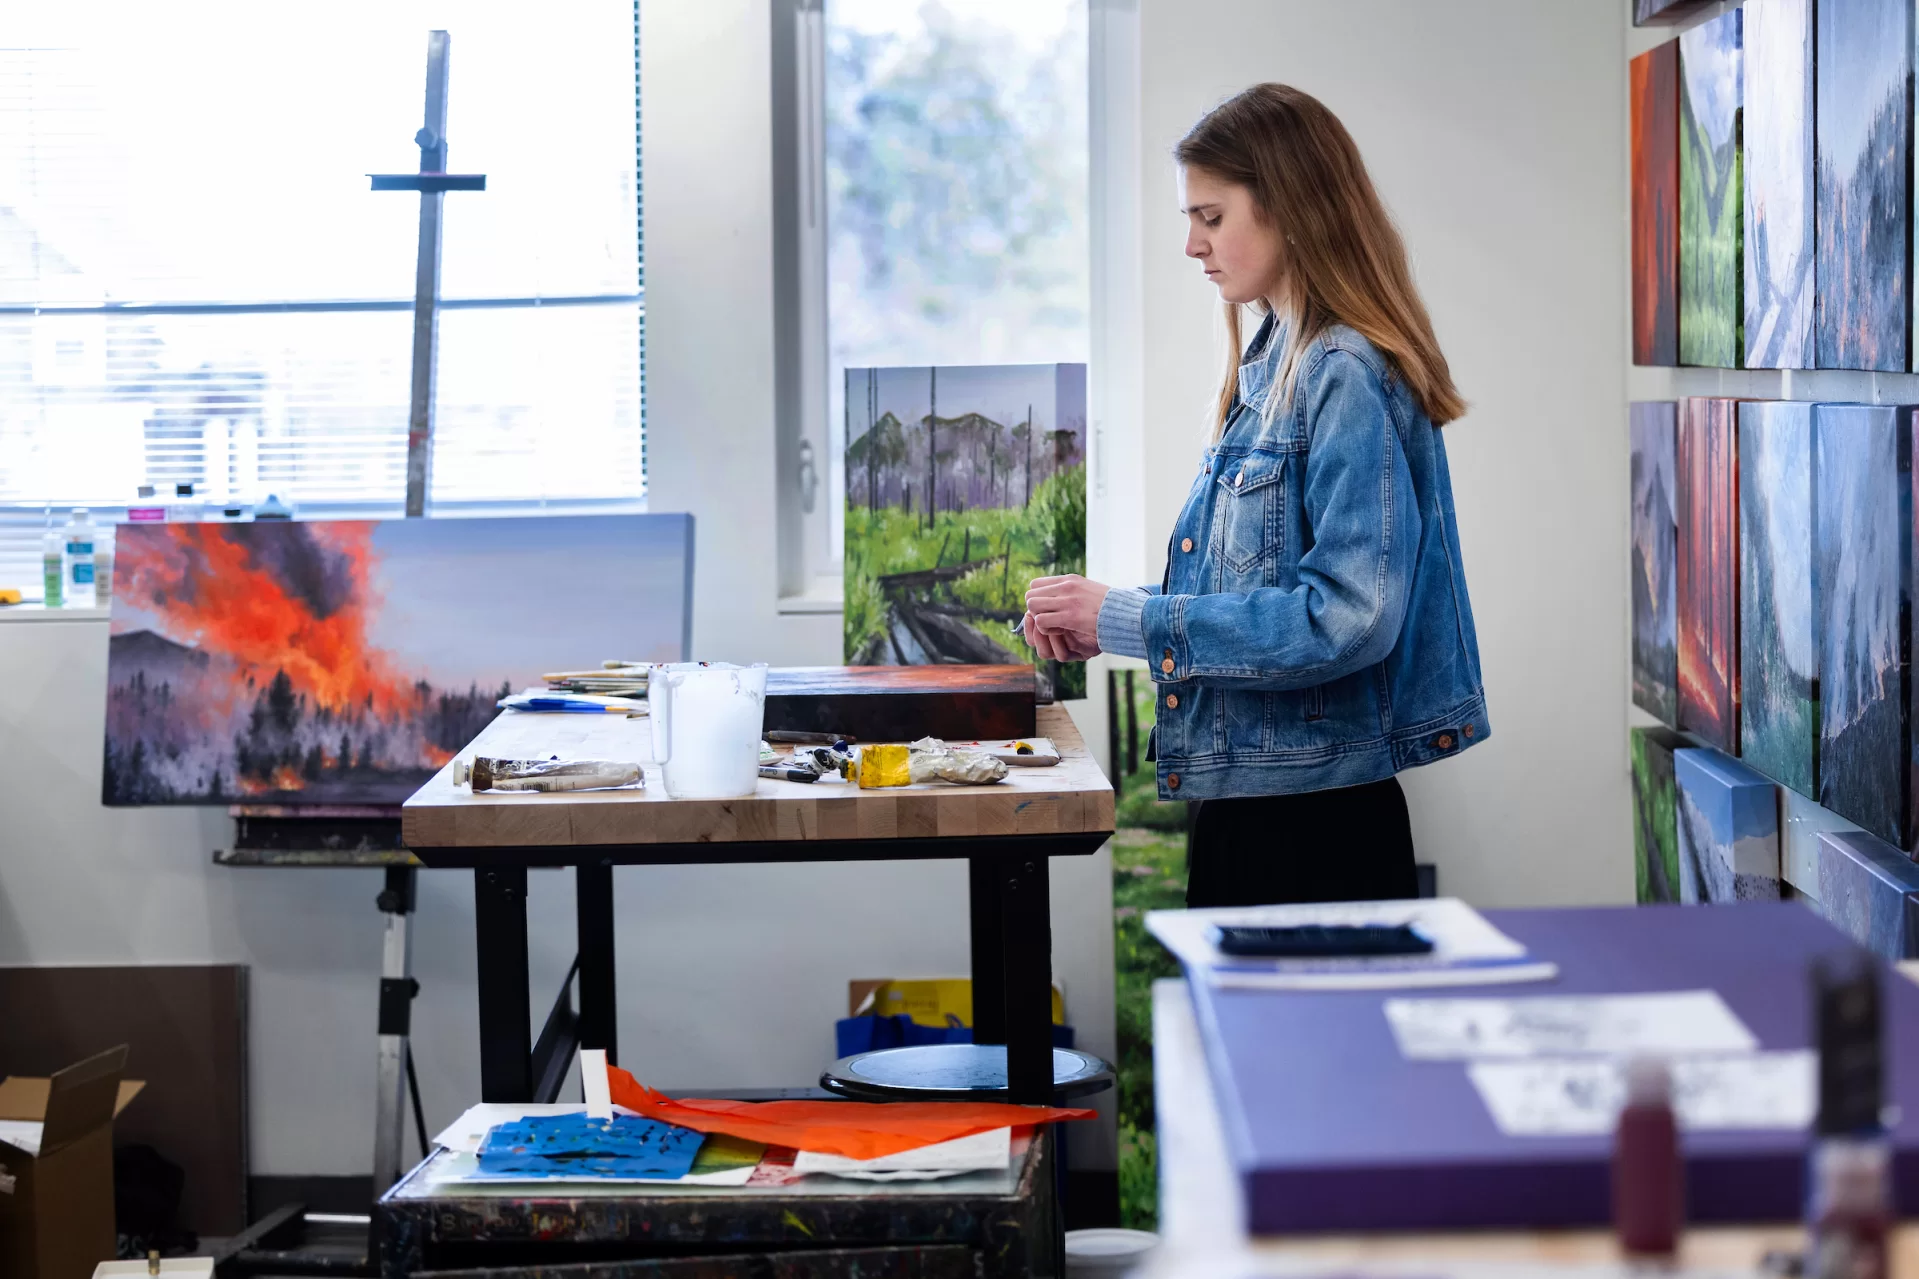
column 1346, row 611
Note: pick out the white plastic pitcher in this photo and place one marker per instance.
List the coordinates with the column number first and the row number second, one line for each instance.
column 707, row 718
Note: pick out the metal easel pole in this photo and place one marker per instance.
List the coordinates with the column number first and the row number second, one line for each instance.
column 426, row 280
column 397, row 989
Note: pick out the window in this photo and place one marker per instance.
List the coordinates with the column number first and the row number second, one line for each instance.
column 197, row 285
column 940, row 211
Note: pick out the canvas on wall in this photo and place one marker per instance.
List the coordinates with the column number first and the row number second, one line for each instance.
column 1660, row 13
column 1707, row 580
column 1778, row 707
column 1863, row 125
column 1655, row 549
column 1862, row 508
column 962, row 484
column 343, row 662
column 1777, row 173
column 1655, row 205
column 1711, row 270
column 1869, row 890
column 1655, row 809
column 1728, row 829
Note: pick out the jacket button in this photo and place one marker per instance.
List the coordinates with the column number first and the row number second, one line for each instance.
column 1172, row 781
column 1469, row 730
column 1239, row 479
column 1445, row 741
column 1167, row 665
column 1172, row 701
column 1186, row 544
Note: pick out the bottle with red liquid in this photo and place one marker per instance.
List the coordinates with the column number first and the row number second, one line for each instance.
column 1849, row 1171
column 1648, row 1177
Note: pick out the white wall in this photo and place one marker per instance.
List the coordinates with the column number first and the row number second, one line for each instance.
column 728, row 976
column 1495, row 131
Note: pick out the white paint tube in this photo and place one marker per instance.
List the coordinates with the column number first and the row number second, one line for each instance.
column 546, row 775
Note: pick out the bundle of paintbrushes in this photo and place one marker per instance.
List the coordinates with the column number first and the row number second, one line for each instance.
column 613, row 679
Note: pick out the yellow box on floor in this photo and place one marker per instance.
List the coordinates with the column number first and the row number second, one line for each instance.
column 929, row 1001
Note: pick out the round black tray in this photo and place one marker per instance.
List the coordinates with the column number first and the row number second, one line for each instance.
column 954, row 1072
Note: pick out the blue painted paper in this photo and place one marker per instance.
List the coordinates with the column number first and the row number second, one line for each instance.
column 1778, row 724
column 1728, row 829
column 1869, row 890
column 628, row 1147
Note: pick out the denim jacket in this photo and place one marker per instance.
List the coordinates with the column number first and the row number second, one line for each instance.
column 1312, row 629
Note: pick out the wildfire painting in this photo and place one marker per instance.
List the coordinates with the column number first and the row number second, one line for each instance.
column 962, row 484
column 1708, row 577
column 1864, row 128
column 1710, row 204
column 343, row 662
column 1862, row 551
column 1777, row 135
column 1778, row 679
column 1655, row 205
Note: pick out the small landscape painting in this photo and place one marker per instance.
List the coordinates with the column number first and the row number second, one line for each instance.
column 1778, row 709
column 1655, row 550
column 1864, row 129
column 1728, row 829
column 963, row 483
column 345, row 661
column 1710, row 204
column 1862, row 563
column 1655, row 205
column 1708, row 577
column 1777, row 173
column 1655, row 814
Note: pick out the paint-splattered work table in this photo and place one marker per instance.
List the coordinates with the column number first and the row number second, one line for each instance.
column 1006, row 832
column 995, row 1224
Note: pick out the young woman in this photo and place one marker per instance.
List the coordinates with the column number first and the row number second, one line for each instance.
column 1311, row 637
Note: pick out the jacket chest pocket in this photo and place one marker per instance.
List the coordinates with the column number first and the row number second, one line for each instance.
column 1249, row 514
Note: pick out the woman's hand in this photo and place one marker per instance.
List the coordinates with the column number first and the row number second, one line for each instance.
column 1060, row 646
column 1069, row 603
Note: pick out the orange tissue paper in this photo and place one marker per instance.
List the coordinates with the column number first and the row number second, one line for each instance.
column 855, row 1129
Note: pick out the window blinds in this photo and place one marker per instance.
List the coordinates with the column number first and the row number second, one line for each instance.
column 196, row 284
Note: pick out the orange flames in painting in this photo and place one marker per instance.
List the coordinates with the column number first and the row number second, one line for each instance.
column 296, row 603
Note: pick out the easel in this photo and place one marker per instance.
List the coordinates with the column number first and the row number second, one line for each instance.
column 370, row 837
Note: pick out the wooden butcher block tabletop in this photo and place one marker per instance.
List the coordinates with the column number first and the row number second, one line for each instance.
column 1071, row 798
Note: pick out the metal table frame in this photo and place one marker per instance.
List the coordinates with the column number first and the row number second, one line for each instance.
column 1011, row 936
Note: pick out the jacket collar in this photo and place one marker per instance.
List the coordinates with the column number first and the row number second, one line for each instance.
column 1260, row 365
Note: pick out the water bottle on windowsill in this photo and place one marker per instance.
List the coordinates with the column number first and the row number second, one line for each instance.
column 76, row 581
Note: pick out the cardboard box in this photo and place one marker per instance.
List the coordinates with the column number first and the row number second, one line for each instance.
column 929, row 1001
column 56, row 1168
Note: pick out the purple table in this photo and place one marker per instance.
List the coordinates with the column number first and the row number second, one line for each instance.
column 1330, row 1128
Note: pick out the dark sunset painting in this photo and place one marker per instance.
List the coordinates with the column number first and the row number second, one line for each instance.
column 1862, row 507
column 1862, row 309
column 1655, row 205
column 1708, row 577
column 343, row 662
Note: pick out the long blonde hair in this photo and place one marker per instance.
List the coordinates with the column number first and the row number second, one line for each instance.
column 1347, row 264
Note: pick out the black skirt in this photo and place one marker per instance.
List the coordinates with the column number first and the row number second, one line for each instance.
column 1350, row 844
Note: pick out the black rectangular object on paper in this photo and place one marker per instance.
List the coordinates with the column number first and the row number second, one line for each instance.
column 903, row 703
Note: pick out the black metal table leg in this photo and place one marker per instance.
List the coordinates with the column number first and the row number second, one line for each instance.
column 506, row 1032
column 1028, row 947
column 988, row 922
column 599, row 1021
